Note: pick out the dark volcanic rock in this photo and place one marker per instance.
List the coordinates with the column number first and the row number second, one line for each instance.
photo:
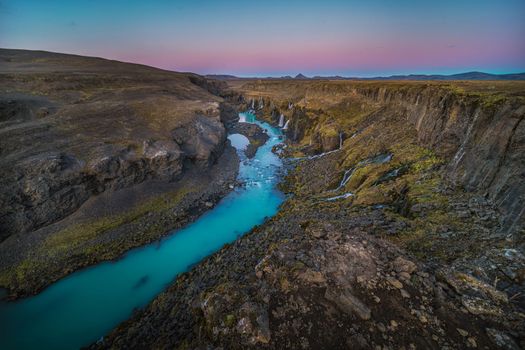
column 279, row 288
column 201, row 141
column 254, row 133
column 229, row 114
column 71, row 139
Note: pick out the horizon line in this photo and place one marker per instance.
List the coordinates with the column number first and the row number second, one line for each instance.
column 283, row 75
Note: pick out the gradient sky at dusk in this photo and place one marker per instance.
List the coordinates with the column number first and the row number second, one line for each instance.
column 262, row 38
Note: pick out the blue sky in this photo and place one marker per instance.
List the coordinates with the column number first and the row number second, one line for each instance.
column 353, row 38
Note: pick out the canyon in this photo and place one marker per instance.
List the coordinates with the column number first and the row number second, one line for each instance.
column 402, row 225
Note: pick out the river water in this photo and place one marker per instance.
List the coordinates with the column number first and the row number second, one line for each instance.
column 86, row 305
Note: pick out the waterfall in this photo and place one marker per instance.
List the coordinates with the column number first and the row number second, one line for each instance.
column 281, row 121
column 346, row 177
column 380, row 159
column 290, row 105
column 343, row 196
column 261, row 103
column 285, row 127
column 319, row 155
column 253, row 104
column 340, row 140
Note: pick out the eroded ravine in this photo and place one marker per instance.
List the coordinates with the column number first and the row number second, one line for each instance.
column 84, row 306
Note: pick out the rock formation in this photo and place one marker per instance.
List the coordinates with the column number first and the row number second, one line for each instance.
column 76, row 129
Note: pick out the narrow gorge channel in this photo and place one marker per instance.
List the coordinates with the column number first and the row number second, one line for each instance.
column 86, row 305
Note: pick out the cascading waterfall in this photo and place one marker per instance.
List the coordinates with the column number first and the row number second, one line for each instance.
column 246, row 117
column 346, row 177
column 253, row 104
column 340, row 140
column 342, row 196
column 281, row 120
column 379, row 159
column 382, row 158
column 285, row 127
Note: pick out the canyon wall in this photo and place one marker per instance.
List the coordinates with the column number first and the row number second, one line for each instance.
column 74, row 127
column 46, row 187
column 481, row 134
column 484, row 141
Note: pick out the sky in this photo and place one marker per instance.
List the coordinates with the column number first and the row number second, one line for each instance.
column 274, row 38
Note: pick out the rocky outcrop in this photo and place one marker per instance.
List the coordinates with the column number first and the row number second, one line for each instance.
column 311, row 279
column 483, row 140
column 229, row 114
column 201, row 141
column 482, row 135
column 254, row 133
column 96, row 126
column 44, row 188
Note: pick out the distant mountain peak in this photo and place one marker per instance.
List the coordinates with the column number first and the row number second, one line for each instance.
column 473, row 75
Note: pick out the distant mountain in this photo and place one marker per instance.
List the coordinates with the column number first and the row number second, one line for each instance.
column 221, row 76
column 332, row 77
column 301, row 76
column 460, row 76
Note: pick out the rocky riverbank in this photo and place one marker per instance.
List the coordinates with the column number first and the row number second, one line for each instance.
column 317, row 276
column 378, row 245
column 110, row 224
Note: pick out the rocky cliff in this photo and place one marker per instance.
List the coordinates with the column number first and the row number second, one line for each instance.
column 73, row 129
column 483, row 139
column 476, row 127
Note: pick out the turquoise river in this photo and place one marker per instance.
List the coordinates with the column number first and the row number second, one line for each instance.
column 83, row 307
